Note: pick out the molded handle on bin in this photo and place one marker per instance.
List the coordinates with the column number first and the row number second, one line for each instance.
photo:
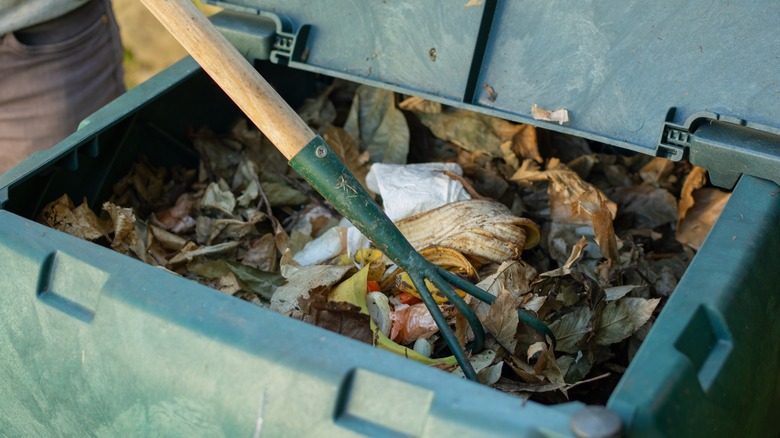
column 240, row 81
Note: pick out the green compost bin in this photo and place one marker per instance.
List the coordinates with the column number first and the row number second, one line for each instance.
column 96, row 344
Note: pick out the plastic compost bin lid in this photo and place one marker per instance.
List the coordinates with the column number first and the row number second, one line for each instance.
column 625, row 71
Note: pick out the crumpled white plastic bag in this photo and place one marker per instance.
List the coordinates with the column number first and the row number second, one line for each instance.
column 406, row 190
column 410, row 189
column 343, row 237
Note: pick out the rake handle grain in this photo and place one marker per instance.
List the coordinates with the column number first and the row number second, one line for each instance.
column 233, row 73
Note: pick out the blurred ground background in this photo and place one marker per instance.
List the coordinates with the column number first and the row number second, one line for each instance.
column 149, row 48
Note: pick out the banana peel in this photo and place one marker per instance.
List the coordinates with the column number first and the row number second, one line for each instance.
column 385, row 343
column 353, row 291
column 365, row 256
column 443, row 257
column 375, row 260
column 483, row 229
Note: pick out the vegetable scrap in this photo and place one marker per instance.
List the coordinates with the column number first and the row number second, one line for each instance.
column 589, row 242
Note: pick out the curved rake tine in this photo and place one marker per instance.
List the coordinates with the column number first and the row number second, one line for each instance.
column 465, row 310
column 444, row 328
column 525, row 317
column 536, row 324
column 465, row 286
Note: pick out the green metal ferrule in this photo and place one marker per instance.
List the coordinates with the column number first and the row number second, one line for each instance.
column 322, row 168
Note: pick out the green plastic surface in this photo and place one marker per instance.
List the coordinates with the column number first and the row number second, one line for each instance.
column 627, row 75
column 711, row 365
column 95, row 343
column 617, row 67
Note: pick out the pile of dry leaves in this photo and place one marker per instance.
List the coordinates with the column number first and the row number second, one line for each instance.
column 586, row 239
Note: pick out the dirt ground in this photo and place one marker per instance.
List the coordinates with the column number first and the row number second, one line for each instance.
column 149, row 48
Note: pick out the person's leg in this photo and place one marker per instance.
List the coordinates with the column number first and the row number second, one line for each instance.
column 54, row 75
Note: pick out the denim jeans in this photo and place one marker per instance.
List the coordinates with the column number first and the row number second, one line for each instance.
column 55, row 74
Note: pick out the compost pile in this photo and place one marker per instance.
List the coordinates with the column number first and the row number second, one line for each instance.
column 586, row 239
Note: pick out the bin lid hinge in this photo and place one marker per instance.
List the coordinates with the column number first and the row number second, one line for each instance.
column 291, row 46
column 726, row 146
column 286, row 45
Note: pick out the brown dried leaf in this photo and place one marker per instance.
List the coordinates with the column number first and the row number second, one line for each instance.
column 80, row 221
column 220, row 155
column 261, row 253
column 621, row 318
column 514, row 276
column 553, row 372
column 502, row 320
column 227, row 284
column 177, row 218
column 318, row 112
column 224, row 230
column 570, row 329
column 420, row 105
column 525, row 144
column 191, row 250
column 218, row 201
column 378, row 125
column 461, row 328
column 246, row 133
column 510, row 157
column 471, row 131
column 574, row 257
column 511, row 386
column 167, row 239
column 523, row 370
column 695, row 180
column 566, row 190
column 123, row 220
column 303, row 280
column 652, row 207
column 698, row 220
column 656, row 171
column 148, row 181
column 601, row 219
column 339, row 317
column 575, row 201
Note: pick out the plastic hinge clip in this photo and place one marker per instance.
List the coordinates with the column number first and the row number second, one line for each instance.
column 291, row 46
column 726, row 146
column 288, row 45
column 675, row 139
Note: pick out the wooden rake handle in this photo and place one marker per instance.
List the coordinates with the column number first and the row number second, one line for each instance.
column 316, row 162
column 233, row 73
